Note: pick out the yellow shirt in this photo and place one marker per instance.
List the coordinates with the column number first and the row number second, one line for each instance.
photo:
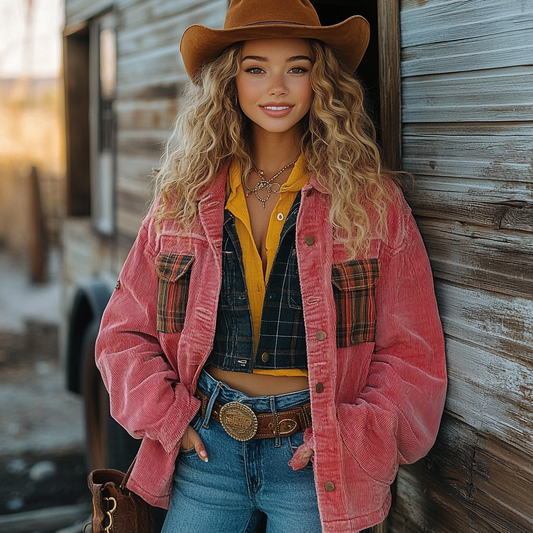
column 253, row 265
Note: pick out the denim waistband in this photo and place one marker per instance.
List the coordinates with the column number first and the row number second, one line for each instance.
column 218, row 391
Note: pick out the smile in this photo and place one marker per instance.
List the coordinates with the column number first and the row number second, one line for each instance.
column 276, row 108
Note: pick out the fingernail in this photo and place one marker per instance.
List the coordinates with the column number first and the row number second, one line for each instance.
column 203, row 456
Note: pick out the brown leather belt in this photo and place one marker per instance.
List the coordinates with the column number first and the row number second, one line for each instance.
column 241, row 423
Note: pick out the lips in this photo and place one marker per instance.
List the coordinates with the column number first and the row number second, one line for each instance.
column 276, row 110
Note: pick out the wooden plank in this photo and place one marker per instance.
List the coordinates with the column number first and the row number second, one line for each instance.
column 490, row 151
column 135, row 169
column 496, row 95
column 511, row 48
column 490, row 393
column 448, row 20
column 128, row 222
column 493, row 322
column 79, row 11
column 465, row 484
column 472, row 88
column 480, row 258
column 148, row 143
column 151, row 65
column 133, row 202
column 506, row 206
column 163, row 64
column 146, row 12
column 153, row 88
column 135, row 115
column 165, row 26
column 389, row 81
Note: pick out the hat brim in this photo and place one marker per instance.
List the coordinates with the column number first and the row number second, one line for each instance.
column 348, row 38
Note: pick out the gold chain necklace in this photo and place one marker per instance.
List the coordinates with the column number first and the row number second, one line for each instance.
column 265, row 184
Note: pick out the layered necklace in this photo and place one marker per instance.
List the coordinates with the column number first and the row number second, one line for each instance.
column 265, row 184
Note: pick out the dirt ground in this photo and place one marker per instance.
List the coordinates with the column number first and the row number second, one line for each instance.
column 41, row 424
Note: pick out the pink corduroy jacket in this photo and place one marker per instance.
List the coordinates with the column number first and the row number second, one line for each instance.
column 375, row 405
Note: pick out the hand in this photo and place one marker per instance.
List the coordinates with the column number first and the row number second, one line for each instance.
column 191, row 440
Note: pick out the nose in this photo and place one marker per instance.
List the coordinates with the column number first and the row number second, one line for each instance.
column 277, row 86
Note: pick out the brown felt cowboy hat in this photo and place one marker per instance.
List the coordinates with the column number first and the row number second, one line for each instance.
column 266, row 19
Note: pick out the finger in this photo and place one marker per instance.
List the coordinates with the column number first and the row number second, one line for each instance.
column 308, row 454
column 196, row 441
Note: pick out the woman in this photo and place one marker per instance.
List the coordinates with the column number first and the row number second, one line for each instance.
column 274, row 337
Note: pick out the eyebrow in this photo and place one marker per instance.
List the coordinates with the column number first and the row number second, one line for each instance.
column 265, row 59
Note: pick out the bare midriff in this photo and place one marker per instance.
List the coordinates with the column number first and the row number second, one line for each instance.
column 259, row 384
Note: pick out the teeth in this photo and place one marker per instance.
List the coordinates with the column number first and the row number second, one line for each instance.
column 276, row 108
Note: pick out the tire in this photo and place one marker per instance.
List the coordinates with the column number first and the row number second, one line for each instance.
column 108, row 445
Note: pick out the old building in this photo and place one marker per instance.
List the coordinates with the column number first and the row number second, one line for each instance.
column 450, row 86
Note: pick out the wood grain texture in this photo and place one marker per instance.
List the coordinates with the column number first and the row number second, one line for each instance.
column 490, row 151
column 506, row 205
column 466, row 484
column 467, row 136
column 496, row 323
column 491, row 95
column 479, row 257
column 389, row 80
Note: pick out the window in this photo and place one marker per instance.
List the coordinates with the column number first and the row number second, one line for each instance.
column 103, row 67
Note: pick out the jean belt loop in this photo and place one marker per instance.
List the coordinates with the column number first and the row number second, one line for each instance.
column 211, row 403
column 273, row 409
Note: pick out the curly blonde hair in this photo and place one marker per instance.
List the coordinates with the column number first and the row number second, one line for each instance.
column 337, row 139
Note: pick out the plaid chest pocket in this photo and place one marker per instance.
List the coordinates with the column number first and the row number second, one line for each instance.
column 174, row 275
column 354, row 291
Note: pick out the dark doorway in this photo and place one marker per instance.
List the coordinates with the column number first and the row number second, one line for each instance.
column 335, row 11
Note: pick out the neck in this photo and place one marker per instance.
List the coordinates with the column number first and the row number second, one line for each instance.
column 271, row 153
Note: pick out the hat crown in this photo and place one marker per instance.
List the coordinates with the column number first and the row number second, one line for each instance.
column 249, row 12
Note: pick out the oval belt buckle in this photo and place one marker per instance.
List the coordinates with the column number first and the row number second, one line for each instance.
column 238, row 420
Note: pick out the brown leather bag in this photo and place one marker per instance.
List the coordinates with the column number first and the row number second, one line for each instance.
column 115, row 508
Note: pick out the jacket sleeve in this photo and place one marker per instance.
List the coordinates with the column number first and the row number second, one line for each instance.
column 396, row 418
column 146, row 395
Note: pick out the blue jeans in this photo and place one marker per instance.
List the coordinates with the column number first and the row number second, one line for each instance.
column 242, row 480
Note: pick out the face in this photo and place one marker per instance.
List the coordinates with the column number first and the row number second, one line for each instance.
column 273, row 83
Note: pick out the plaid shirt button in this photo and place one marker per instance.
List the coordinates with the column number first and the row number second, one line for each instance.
column 264, row 357
column 319, row 387
column 321, row 335
column 309, row 240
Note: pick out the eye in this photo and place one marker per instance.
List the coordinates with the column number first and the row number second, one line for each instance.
column 254, row 70
column 298, row 70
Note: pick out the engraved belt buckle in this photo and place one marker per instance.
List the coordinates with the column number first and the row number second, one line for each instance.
column 238, row 420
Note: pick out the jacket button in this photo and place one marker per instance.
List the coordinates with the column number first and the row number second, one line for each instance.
column 329, row 486
column 309, row 240
column 321, row 335
column 319, row 387
column 264, row 357
column 118, row 285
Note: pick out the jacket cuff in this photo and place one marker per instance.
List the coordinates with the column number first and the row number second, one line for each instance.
column 178, row 417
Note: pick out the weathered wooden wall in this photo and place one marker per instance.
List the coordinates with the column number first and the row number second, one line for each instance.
column 467, row 114
column 150, row 74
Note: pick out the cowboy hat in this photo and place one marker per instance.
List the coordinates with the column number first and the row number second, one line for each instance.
column 266, row 19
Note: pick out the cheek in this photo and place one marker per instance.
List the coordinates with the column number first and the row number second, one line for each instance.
column 308, row 96
column 245, row 92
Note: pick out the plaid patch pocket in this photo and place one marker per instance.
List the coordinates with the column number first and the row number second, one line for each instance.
column 174, row 275
column 354, row 288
